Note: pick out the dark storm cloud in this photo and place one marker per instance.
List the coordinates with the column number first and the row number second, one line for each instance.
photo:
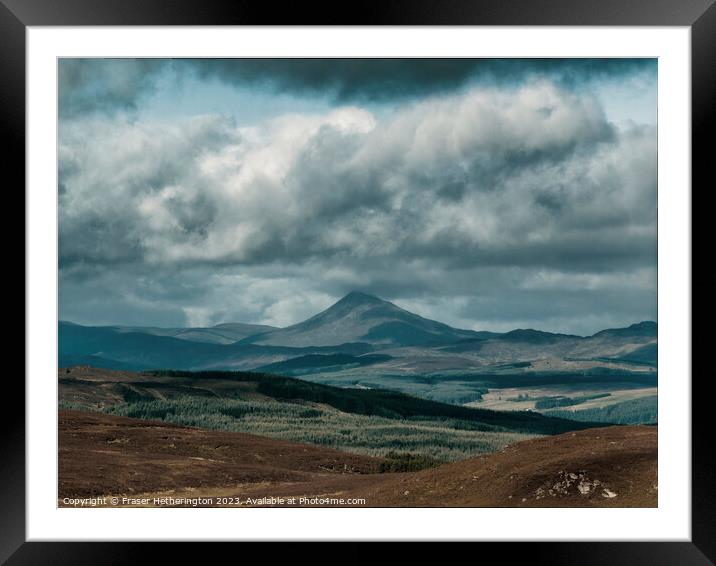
column 380, row 79
column 112, row 85
column 495, row 207
column 104, row 85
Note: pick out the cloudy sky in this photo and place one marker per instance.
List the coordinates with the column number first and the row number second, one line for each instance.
column 488, row 194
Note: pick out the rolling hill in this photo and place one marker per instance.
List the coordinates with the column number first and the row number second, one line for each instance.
column 226, row 333
column 103, row 455
column 92, row 388
column 106, row 346
column 609, row 467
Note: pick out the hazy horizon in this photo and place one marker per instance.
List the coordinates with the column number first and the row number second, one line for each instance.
column 487, row 194
column 149, row 325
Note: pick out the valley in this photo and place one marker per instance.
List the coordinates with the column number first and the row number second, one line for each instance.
column 363, row 402
column 365, row 342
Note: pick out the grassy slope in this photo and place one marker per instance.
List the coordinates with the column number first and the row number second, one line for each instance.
column 608, row 467
column 389, row 404
column 372, row 422
column 109, row 455
column 440, row 438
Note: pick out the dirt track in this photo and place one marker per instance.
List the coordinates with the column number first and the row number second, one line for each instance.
column 103, row 455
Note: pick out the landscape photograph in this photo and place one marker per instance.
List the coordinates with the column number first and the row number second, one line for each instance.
column 357, row 283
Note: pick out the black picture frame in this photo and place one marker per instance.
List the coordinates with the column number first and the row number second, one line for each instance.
column 698, row 15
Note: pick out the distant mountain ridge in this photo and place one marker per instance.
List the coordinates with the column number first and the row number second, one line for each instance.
column 226, row 333
column 645, row 328
column 357, row 325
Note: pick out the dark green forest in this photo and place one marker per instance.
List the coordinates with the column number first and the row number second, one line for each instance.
column 635, row 411
column 386, row 403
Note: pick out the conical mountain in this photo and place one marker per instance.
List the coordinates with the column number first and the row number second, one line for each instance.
column 359, row 317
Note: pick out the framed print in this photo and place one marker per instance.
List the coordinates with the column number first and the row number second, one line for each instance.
column 423, row 277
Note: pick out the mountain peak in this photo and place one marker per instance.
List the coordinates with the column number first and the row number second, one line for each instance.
column 356, row 297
